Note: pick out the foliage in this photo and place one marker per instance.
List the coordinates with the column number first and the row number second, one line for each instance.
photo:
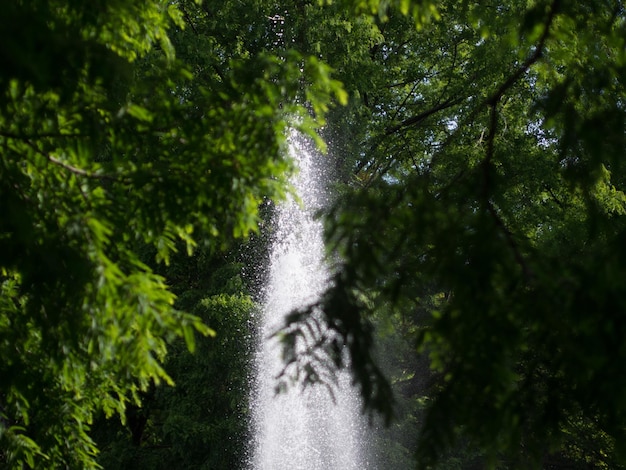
column 482, row 218
column 110, row 143
column 486, row 147
column 202, row 422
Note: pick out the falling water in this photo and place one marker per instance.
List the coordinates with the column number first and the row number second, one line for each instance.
column 300, row 430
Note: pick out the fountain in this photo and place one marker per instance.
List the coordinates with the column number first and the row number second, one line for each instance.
column 300, row 430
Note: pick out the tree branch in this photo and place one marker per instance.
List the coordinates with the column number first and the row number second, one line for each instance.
column 72, row 169
column 43, row 135
column 413, row 120
column 492, row 103
column 533, row 58
column 188, row 18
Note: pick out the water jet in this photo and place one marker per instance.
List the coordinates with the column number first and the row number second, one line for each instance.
column 300, row 429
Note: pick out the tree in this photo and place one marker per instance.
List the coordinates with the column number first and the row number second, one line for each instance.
column 109, row 144
column 488, row 192
column 202, row 422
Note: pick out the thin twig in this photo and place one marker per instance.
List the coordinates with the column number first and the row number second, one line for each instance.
column 43, row 135
column 71, row 168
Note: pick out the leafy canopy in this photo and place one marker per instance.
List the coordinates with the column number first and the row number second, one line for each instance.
column 110, row 143
column 485, row 203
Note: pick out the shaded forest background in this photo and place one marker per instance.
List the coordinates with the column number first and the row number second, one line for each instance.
column 476, row 235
